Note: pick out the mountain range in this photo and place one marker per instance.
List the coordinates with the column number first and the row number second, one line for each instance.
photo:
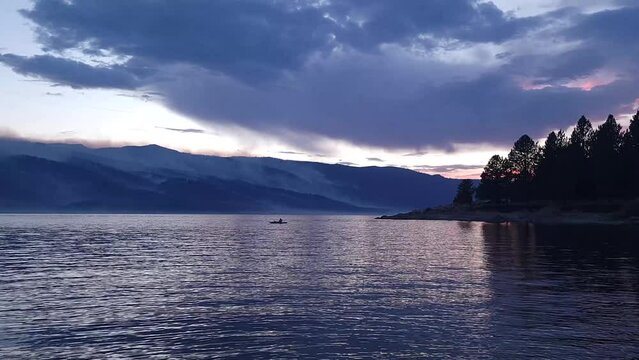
column 45, row 177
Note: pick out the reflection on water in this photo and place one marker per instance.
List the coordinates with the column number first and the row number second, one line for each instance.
column 564, row 289
column 95, row 286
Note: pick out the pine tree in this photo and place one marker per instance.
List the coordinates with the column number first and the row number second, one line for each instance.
column 630, row 157
column 550, row 181
column 524, row 158
column 465, row 192
column 578, row 172
column 581, row 136
column 606, row 158
column 603, row 163
column 495, row 180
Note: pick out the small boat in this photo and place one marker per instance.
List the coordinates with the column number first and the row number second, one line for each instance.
column 280, row 221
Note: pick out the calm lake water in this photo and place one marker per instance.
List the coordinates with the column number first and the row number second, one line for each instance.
column 121, row 286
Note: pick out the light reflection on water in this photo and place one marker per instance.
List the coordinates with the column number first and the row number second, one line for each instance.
column 94, row 286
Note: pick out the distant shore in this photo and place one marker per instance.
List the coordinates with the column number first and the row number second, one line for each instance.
column 611, row 213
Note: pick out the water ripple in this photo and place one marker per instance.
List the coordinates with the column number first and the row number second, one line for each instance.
column 127, row 286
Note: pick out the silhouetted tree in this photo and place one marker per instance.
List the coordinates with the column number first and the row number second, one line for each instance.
column 495, row 180
column 523, row 158
column 578, row 172
column 602, row 163
column 606, row 158
column 550, row 183
column 582, row 135
column 630, row 157
column 465, row 192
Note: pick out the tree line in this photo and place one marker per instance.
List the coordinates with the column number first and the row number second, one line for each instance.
column 601, row 163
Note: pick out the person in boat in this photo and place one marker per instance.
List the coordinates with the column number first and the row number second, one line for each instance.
column 280, row 221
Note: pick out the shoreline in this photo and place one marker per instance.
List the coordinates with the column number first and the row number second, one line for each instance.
column 541, row 216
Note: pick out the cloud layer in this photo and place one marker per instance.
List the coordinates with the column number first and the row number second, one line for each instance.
column 394, row 74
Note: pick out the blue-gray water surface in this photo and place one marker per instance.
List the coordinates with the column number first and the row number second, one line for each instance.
column 167, row 286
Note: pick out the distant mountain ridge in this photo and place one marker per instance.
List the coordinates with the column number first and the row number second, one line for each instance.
column 68, row 177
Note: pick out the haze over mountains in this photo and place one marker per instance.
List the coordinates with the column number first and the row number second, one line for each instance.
column 65, row 177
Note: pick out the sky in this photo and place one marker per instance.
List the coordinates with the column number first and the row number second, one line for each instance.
column 437, row 86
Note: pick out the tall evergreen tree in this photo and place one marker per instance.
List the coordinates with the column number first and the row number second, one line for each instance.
column 578, row 174
column 606, row 158
column 550, row 183
column 608, row 138
column 495, row 180
column 631, row 137
column 465, row 192
column 603, row 163
column 554, row 145
column 630, row 157
column 582, row 135
column 524, row 158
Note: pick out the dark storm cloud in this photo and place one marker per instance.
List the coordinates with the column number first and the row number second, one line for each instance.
column 72, row 73
column 254, row 40
column 611, row 32
column 490, row 108
column 567, row 65
column 250, row 39
column 396, row 74
column 385, row 21
column 609, row 25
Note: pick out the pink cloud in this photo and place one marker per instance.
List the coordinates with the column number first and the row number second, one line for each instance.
column 590, row 82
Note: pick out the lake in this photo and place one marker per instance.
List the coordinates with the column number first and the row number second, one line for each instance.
column 167, row 286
